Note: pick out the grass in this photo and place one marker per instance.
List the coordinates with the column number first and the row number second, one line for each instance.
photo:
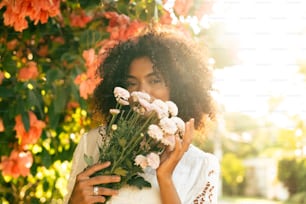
column 244, row 200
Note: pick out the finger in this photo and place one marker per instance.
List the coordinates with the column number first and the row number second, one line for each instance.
column 106, row 191
column 97, row 199
column 91, row 170
column 103, row 180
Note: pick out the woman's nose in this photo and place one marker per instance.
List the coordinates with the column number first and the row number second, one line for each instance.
column 143, row 87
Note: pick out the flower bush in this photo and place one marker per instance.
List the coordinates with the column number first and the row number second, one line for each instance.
column 49, row 53
column 140, row 130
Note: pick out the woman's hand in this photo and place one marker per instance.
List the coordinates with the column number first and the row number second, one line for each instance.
column 169, row 160
column 83, row 191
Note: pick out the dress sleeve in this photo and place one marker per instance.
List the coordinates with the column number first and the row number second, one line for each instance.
column 209, row 192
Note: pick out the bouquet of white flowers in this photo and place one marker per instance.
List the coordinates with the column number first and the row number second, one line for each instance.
column 138, row 132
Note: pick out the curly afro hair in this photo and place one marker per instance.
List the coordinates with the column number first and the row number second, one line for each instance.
column 180, row 61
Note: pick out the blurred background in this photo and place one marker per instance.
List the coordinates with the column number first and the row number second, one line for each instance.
column 50, row 49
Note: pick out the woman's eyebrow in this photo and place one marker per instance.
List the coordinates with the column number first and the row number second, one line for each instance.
column 147, row 76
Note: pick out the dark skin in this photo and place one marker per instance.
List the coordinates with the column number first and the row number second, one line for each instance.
column 83, row 188
column 141, row 78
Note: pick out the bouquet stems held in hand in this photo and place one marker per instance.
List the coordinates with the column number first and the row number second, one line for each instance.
column 139, row 130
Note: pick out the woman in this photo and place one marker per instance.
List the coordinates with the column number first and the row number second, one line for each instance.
column 167, row 67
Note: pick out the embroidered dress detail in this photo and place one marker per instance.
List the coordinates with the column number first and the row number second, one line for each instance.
column 207, row 194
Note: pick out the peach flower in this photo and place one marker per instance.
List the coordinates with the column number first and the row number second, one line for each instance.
column 2, row 128
column 89, row 80
column 141, row 161
column 79, row 19
column 153, row 160
column 17, row 164
column 92, row 61
column 11, row 45
column 37, row 10
column 87, row 85
column 121, row 27
column 1, row 77
column 181, row 7
column 28, row 72
column 205, row 8
column 33, row 134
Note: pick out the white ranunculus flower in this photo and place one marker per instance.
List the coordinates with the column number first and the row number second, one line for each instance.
column 169, row 141
column 136, row 95
column 114, row 111
column 180, row 124
column 168, row 126
column 172, row 108
column 155, row 132
column 153, row 160
column 141, row 161
column 161, row 108
column 122, row 96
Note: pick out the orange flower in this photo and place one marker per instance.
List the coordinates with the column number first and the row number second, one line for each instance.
column 205, row 8
column 79, row 19
column 11, row 45
column 43, row 51
column 2, row 128
column 120, row 27
column 87, row 87
column 28, row 72
column 31, row 136
column 1, row 77
column 38, row 10
column 181, row 7
column 166, row 18
column 17, row 164
column 92, row 61
column 72, row 105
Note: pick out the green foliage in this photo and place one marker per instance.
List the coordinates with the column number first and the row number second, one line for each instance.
column 292, row 172
column 233, row 174
column 298, row 198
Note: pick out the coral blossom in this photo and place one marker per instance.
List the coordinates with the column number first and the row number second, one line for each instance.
column 89, row 80
column 2, row 128
column 28, row 72
column 37, row 10
column 33, row 134
column 1, row 77
column 17, row 164
column 79, row 19
column 181, row 7
column 121, row 27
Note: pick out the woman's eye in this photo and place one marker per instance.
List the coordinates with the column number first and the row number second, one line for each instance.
column 155, row 81
column 130, row 84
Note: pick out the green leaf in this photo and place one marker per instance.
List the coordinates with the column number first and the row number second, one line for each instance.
column 5, row 92
column 25, row 120
column 122, row 142
column 88, row 159
column 60, row 99
column 33, row 98
column 46, row 159
column 139, row 182
column 89, row 38
column 54, row 74
column 54, row 118
column 120, row 171
column 46, row 185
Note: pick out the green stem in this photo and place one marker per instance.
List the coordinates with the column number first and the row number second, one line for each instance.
column 124, row 154
column 114, row 117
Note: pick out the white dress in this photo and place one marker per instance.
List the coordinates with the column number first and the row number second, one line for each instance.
column 195, row 177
